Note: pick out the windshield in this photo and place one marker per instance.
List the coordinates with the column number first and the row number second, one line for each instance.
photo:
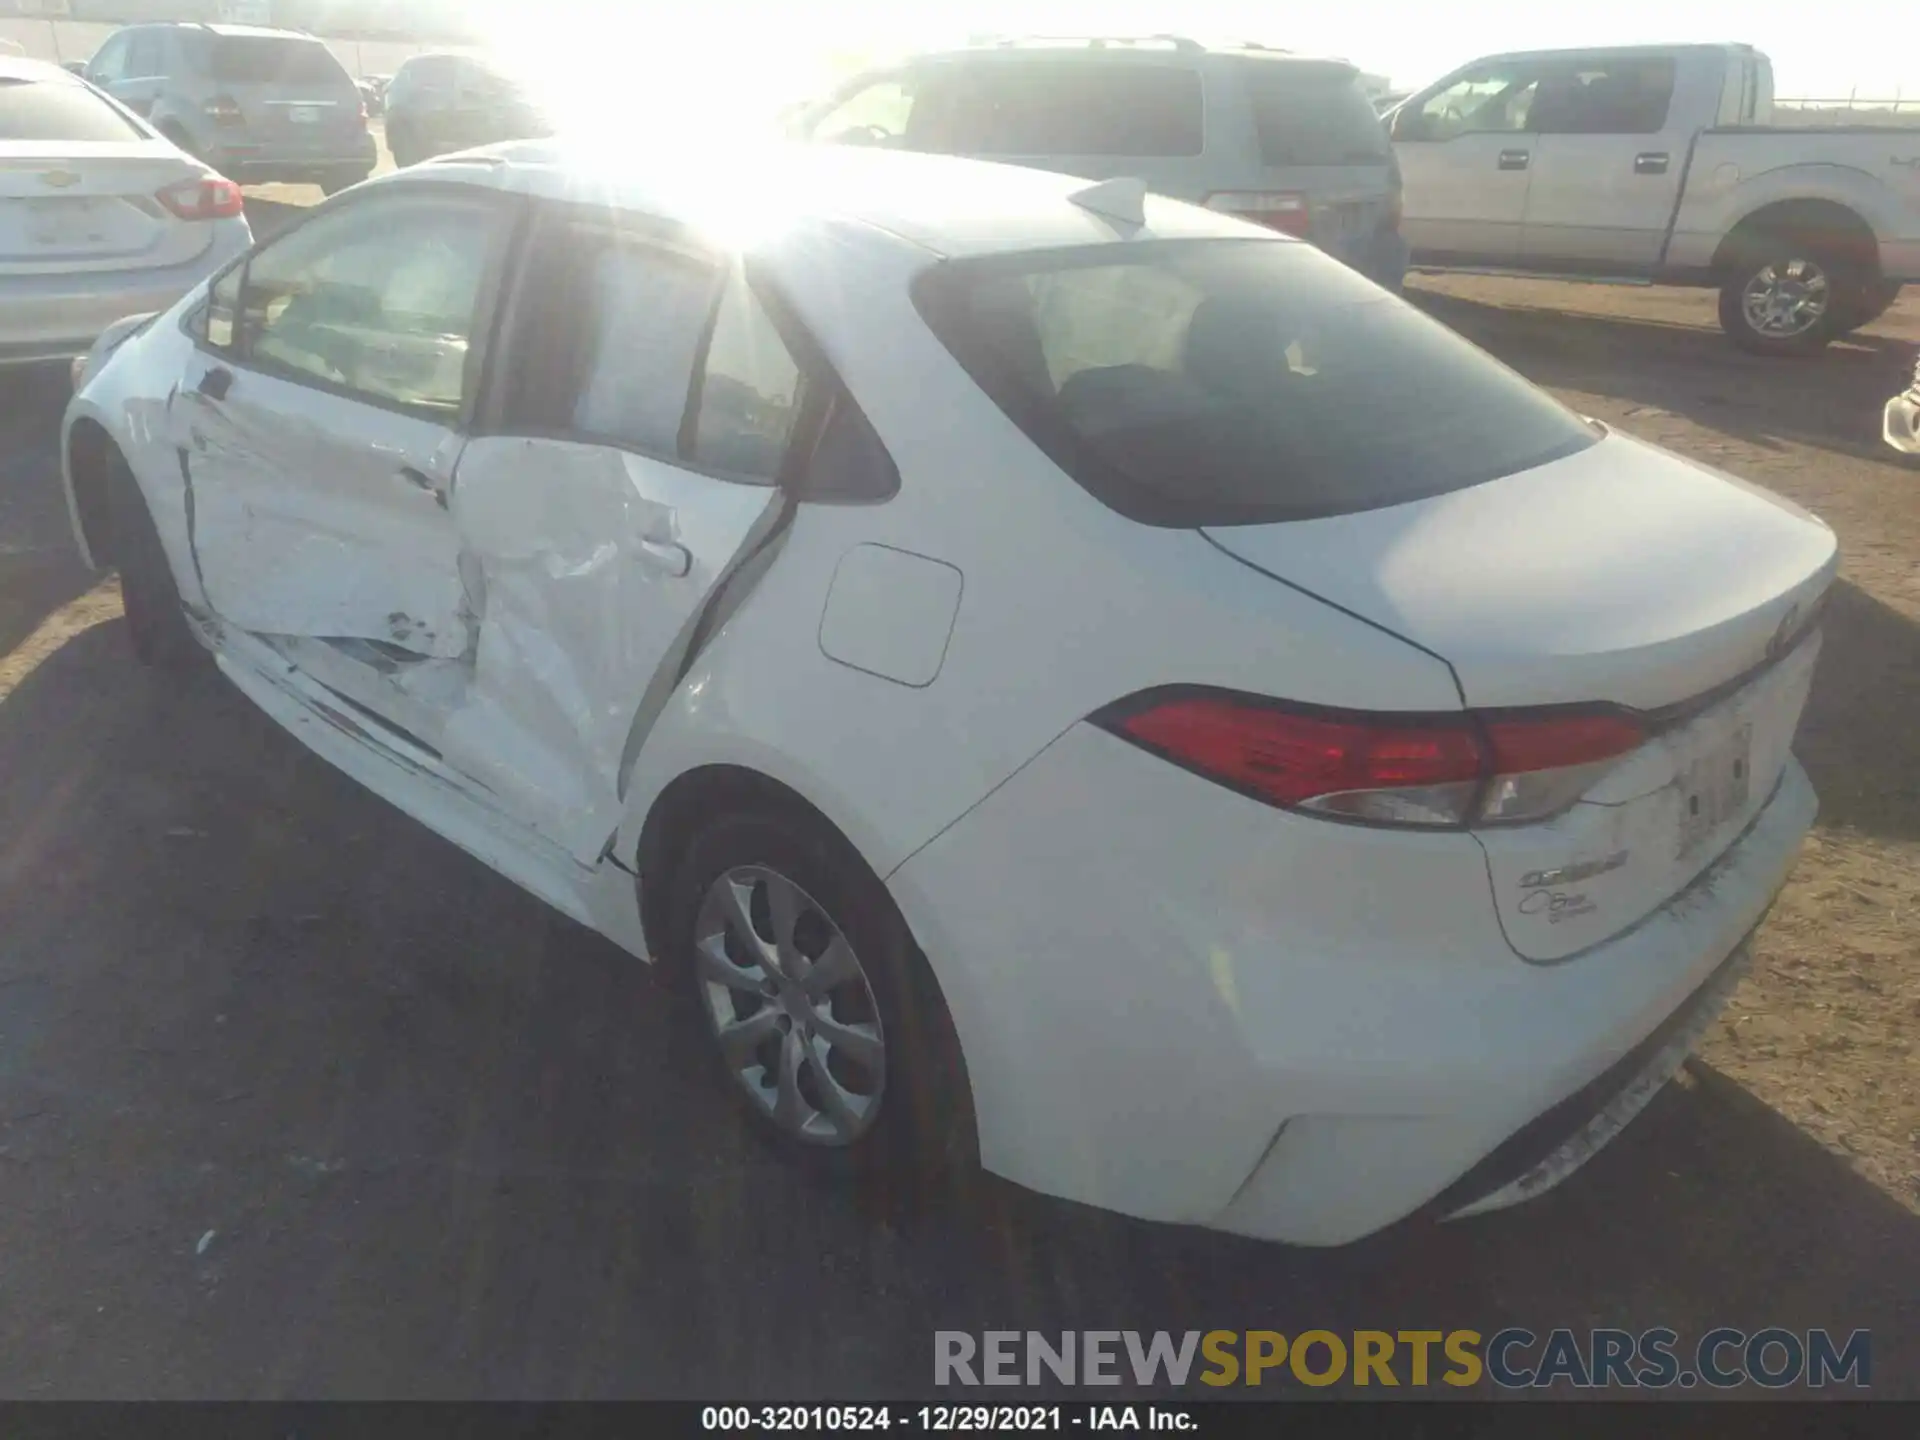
column 1221, row 382
column 1306, row 116
column 60, row 110
column 271, row 59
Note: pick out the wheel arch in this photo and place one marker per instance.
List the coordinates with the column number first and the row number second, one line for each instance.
column 1834, row 228
column 91, row 454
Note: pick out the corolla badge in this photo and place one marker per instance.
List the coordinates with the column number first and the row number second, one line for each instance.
column 59, row 179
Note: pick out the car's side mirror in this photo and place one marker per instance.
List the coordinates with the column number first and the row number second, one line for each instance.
column 76, row 67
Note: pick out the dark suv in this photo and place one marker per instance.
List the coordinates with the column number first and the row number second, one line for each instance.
column 437, row 104
column 256, row 105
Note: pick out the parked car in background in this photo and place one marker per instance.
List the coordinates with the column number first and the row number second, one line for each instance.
column 100, row 216
column 1663, row 164
column 436, row 104
column 1289, row 143
column 1902, row 428
column 75, row 67
column 257, row 105
column 1053, row 673
column 373, row 94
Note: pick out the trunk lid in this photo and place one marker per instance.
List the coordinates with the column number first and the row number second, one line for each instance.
column 68, row 207
column 1620, row 575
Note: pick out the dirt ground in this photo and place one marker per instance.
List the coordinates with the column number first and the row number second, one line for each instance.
column 298, row 1101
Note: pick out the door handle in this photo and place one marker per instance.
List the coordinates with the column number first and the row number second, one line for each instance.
column 1513, row 159
column 420, row 480
column 669, row 557
column 215, row 384
column 1653, row 162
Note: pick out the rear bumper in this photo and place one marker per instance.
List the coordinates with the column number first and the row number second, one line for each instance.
column 1901, row 427
column 263, row 164
column 55, row 317
column 1185, row 1006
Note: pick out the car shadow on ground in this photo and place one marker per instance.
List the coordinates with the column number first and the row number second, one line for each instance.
column 298, row 1100
column 1858, row 739
column 1834, row 400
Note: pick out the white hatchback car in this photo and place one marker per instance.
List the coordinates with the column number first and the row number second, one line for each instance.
column 1058, row 674
column 101, row 216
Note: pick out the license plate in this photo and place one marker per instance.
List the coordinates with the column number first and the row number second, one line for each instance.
column 1714, row 788
column 304, row 115
column 63, row 222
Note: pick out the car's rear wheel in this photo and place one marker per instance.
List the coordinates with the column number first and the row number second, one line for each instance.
column 156, row 624
column 807, row 991
column 1785, row 299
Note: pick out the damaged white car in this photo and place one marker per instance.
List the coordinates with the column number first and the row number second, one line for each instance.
column 1060, row 676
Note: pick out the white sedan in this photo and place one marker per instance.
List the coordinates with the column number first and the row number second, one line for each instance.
column 1058, row 676
column 101, row 216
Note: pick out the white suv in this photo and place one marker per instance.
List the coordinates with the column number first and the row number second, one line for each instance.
column 1288, row 142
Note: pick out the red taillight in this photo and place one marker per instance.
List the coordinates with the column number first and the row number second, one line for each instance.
column 208, row 198
column 1448, row 770
column 1283, row 210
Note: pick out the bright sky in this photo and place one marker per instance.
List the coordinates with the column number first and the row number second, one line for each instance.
column 1822, row 50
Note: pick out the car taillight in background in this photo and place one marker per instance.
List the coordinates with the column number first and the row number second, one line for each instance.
column 208, row 198
column 1448, row 770
column 1283, row 210
column 223, row 110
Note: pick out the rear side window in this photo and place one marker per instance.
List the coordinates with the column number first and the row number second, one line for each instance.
column 1048, row 107
column 749, row 397
column 60, row 110
column 271, row 60
column 1224, row 382
column 1306, row 116
column 609, row 351
column 1623, row 95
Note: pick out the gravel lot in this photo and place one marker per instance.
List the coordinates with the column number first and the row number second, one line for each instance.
column 296, row 1100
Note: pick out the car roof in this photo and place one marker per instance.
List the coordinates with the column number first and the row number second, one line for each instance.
column 263, row 32
column 940, row 204
column 1124, row 53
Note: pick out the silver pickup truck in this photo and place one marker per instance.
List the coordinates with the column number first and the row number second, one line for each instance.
column 1662, row 164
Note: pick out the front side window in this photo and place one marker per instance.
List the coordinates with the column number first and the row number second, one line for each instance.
column 64, row 109
column 109, row 62
column 1495, row 98
column 146, row 56
column 1222, row 382
column 378, row 299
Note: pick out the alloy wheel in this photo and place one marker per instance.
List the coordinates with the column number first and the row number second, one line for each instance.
column 1786, row 299
column 790, row 1005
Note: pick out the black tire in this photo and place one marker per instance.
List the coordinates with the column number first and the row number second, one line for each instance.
column 1869, row 305
column 921, row 1136
column 1788, row 262
column 156, row 625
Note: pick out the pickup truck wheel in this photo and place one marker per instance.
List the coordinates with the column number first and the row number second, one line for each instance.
column 1784, row 300
column 1868, row 305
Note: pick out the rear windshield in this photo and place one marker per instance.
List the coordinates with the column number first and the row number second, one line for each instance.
column 270, row 59
column 59, row 110
column 1313, row 117
column 1224, row 382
